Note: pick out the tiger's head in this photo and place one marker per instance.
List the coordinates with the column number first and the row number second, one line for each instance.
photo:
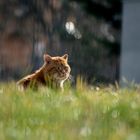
column 57, row 67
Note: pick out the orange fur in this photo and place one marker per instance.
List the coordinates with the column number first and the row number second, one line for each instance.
column 54, row 72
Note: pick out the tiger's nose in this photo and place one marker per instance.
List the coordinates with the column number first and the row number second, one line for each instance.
column 66, row 69
column 63, row 71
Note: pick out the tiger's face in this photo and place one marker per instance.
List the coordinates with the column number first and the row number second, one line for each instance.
column 57, row 67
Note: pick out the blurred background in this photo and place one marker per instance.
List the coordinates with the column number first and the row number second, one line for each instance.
column 88, row 30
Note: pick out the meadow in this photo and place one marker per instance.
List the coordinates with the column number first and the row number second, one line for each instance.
column 80, row 113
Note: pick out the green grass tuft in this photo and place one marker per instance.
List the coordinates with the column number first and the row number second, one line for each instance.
column 81, row 113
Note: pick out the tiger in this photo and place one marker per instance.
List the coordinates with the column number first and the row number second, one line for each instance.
column 53, row 73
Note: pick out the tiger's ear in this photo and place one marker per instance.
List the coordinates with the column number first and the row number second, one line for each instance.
column 47, row 58
column 65, row 56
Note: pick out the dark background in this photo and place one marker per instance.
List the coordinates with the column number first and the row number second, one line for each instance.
column 88, row 30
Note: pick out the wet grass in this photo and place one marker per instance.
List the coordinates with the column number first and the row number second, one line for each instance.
column 83, row 113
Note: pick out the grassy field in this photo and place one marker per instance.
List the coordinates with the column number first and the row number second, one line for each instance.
column 83, row 113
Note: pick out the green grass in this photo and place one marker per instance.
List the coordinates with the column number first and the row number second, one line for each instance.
column 83, row 113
